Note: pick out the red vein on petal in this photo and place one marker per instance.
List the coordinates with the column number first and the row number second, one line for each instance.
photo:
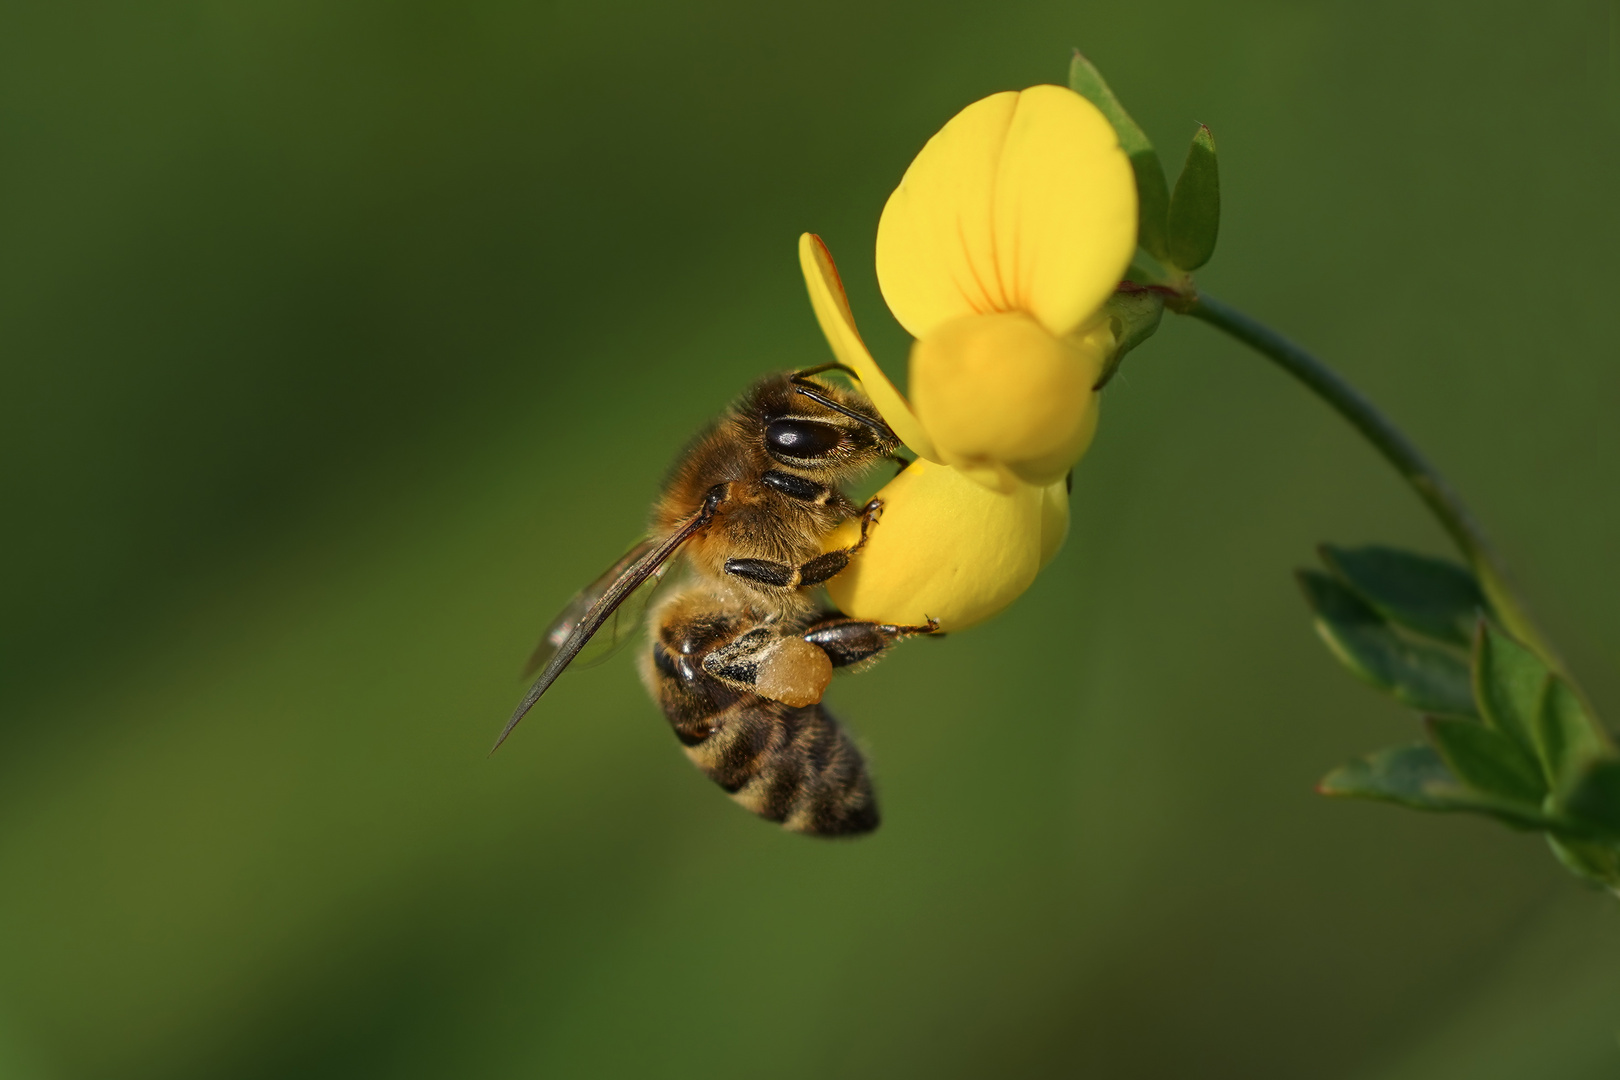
column 989, row 304
column 995, row 205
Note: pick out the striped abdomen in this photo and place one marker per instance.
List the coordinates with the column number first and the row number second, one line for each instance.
column 792, row 765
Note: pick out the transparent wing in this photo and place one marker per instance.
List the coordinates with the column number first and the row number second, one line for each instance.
column 632, row 573
column 619, row 628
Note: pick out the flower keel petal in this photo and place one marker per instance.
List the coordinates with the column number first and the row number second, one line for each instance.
column 998, row 390
column 946, row 548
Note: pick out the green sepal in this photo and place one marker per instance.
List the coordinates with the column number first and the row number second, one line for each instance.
column 1195, row 207
column 1425, row 677
column 1134, row 317
column 1418, row 778
column 1508, row 683
column 1488, row 761
column 1567, row 738
column 1436, row 598
column 1593, row 798
column 1152, row 192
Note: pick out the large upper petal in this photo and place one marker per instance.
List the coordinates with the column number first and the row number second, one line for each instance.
column 831, row 306
column 1022, row 202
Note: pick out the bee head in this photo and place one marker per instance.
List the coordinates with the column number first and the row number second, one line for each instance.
column 810, row 425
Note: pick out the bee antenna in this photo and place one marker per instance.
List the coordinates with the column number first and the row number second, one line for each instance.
column 831, row 365
column 803, row 385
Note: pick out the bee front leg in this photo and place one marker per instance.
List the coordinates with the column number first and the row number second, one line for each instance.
column 818, row 570
column 854, row 642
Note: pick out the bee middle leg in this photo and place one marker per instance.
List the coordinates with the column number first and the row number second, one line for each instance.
column 851, row 642
column 818, row 570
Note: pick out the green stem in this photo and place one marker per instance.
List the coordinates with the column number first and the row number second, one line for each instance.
column 1438, row 495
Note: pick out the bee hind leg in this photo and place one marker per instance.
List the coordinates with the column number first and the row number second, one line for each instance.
column 855, row 642
column 766, row 662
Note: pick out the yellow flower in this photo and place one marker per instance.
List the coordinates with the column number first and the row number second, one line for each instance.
column 997, row 251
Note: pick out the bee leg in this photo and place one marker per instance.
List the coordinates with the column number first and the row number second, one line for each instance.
column 784, row 576
column 871, row 513
column 809, row 491
column 776, row 666
column 802, row 488
column 764, row 572
column 829, row 563
column 817, row 570
column 848, row 642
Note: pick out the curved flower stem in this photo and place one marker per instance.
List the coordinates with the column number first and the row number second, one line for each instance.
column 1438, row 495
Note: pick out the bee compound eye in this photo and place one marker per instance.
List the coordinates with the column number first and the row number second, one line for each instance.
column 802, row 439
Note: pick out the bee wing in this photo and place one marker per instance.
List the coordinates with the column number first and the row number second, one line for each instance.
column 602, row 609
column 620, row 627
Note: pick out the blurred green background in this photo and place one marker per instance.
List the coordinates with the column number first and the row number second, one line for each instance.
column 342, row 342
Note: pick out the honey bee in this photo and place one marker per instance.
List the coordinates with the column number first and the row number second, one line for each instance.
column 739, row 653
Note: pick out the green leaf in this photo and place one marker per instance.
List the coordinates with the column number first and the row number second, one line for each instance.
column 1488, row 761
column 1508, row 682
column 1434, row 597
column 1422, row 676
column 1567, row 738
column 1417, row 777
column 1195, row 208
column 1152, row 193
column 1594, row 797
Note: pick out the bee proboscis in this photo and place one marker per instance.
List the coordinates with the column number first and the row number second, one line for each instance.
column 740, row 654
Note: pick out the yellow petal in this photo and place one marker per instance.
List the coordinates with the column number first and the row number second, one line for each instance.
column 1000, row 392
column 992, row 475
column 838, row 324
column 1022, row 202
column 1095, row 346
column 1054, row 519
column 946, row 548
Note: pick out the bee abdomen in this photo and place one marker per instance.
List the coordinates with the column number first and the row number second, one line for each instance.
column 794, row 766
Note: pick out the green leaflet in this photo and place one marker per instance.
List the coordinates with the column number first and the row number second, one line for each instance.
column 1425, row 677
column 1413, row 776
column 1433, row 597
column 1488, row 761
column 1597, row 862
column 1418, row 778
column 1508, row 684
column 1594, row 797
column 1195, row 208
column 1567, row 738
column 1152, row 192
